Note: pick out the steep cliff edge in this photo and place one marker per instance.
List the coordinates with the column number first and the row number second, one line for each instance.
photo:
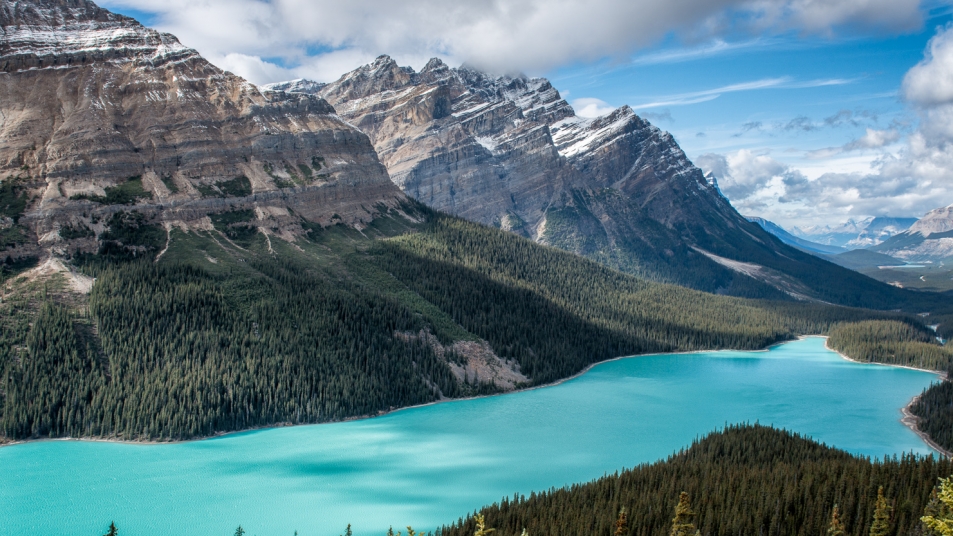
column 508, row 151
column 100, row 115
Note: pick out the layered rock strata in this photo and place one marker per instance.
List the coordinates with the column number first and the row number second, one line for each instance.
column 510, row 152
column 99, row 114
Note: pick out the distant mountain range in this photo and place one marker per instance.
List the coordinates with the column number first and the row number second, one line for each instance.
column 876, row 241
column 855, row 234
column 929, row 239
column 791, row 240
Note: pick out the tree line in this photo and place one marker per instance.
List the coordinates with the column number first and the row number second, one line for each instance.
column 748, row 480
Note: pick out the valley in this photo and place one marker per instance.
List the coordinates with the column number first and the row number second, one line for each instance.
column 403, row 294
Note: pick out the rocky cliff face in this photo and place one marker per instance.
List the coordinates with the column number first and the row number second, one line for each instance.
column 510, row 152
column 99, row 114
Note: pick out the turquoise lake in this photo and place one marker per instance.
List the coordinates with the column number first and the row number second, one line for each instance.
column 430, row 465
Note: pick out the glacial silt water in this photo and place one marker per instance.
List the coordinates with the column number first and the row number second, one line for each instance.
column 427, row 466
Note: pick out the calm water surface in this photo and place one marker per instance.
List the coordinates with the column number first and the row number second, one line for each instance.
column 427, row 466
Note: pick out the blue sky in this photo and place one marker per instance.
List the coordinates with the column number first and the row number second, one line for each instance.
column 798, row 106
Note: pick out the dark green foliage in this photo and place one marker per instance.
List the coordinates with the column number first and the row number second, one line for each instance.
column 12, row 236
column 891, row 342
column 113, row 531
column 556, row 313
column 72, row 232
column 237, row 187
column 127, row 193
column 190, row 353
column 944, row 322
column 51, row 390
column 13, row 199
column 170, row 184
column 317, row 162
column 235, row 224
column 11, row 267
column 750, row 480
column 128, row 236
column 279, row 181
column 934, row 408
column 306, row 172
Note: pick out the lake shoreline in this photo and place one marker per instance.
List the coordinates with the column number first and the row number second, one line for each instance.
column 217, row 435
column 909, row 420
column 588, row 368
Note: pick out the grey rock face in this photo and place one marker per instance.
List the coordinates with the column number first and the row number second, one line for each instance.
column 89, row 99
column 509, row 151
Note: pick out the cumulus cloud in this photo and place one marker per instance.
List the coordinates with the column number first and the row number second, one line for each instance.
column 873, row 139
column 589, row 107
column 743, row 174
column 499, row 35
column 930, row 82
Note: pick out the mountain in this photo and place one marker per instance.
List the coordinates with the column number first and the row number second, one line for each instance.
column 100, row 116
column 880, row 229
column 928, row 240
column 184, row 254
column 791, row 240
column 855, row 234
column 508, row 151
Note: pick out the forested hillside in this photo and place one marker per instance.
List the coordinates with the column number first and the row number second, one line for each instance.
column 748, row 480
column 231, row 329
column 934, row 409
column 890, row 342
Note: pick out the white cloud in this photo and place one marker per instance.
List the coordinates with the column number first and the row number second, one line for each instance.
column 589, row 107
column 706, row 95
column 873, row 139
column 906, row 177
column 930, row 82
column 500, row 35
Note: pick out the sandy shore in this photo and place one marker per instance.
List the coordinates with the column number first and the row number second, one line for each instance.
column 909, row 419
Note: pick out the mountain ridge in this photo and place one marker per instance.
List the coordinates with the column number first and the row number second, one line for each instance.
column 95, row 105
column 510, row 152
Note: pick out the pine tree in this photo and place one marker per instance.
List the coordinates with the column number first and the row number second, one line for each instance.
column 347, row 531
column 621, row 524
column 682, row 524
column 938, row 518
column 836, row 528
column 481, row 526
column 239, row 531
column 881, row 524
column 113, row 531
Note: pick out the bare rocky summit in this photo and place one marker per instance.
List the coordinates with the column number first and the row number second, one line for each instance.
column 509, row 151
column 99, row 115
